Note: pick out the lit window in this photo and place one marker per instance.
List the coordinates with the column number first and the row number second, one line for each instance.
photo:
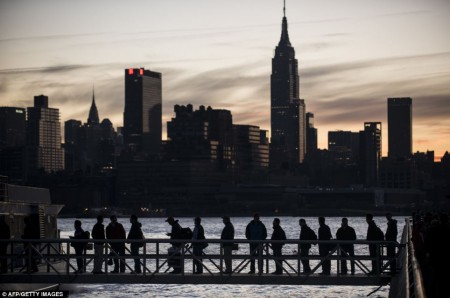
column 130, row 71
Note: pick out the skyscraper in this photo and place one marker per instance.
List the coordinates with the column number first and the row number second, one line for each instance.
column 43, row 137
column 399, row 127
column 143, row 110
column 311, row 134
column 288, row 143
column 370, row 153
column 93, row 112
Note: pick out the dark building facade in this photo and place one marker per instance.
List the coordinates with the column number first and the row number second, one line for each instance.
column 399, row 127
column 288, row 141
column 311, row 134
column 142, row 117
column 370, row 153
column 43, row 137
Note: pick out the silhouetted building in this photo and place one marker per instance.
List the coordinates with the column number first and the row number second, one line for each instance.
column 43, row 137
column 398, row 173
column 73, row 151
column 288, row 141
column 93, row 112
column 12, row 142
column 311, row 134
column 142, row 118
column 344, row 144
column 12, row 127
column 399, row 127
column 370, row 153
column 202, row 134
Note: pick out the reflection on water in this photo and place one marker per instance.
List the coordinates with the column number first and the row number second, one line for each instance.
column 157, row 228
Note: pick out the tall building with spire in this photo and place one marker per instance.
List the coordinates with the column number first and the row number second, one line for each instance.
column 288, row 127
column 93, row 113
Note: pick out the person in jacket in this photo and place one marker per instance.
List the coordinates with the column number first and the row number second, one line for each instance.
column 278, row 234
column 30, row 231
column 80, row 248
column 135, row 233
column 306, row 233
column 5, row 234
column 391, row 235
column 227, row 234
column 373, row 234
column 98, row 233
column 256, row 230
column 324, row 249
column 345, row 232
column 198, row 234
column 115, row 231
column 175, row 233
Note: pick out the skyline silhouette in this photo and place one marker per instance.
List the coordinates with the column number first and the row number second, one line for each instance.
column 351, row 59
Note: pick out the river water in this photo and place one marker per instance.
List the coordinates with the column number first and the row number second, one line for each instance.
column 157, row 228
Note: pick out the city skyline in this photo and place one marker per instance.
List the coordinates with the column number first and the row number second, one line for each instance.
column 352, row 57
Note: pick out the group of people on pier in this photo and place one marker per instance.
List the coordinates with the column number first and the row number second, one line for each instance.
column 255, row 230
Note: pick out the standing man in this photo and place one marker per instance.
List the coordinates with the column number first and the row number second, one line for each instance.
column 80, row 248
column 278, row 234
column 345, row 232
column 135, row 233
column 5, row 234
column 306, row 233
column 98, row 233
column 227, row 234
column 373, row 234
column 174, row 251
column 30, row 231
column 256, row 230
column 324, row 249
column 391, row 235
column 198, row 234
column 115, row 230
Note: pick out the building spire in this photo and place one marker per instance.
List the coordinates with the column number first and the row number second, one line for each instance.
column 284, row 40
column 93, row 113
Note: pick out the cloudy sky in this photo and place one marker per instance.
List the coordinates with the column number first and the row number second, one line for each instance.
column 352, row 55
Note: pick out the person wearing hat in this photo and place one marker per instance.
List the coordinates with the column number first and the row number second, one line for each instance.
column 256, row 230
column 227, row 234
column 175, row 234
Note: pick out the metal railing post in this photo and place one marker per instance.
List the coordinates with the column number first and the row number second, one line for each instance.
column 157, row 257
column 338, row 261
column 221, row 257
column 377, row 269
column 298, row 260
column 144, row 251
column 67, row 257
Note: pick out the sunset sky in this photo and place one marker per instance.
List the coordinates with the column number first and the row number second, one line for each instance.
column 352, row 55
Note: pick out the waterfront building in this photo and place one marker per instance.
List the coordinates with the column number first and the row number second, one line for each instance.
column 344, row 144
column 370, row 153
column 399, row 127
column 142, row 117
column 43, row 137
column 288, row 124
column 311, row 134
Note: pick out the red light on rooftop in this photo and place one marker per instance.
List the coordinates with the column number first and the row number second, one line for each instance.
column 141, row 71
column 130, row 71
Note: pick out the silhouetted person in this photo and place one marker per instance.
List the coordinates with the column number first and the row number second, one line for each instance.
column 345, row 232
column 437, row 246
column 5, row 234
column 80, row 248
column 373, row 234
column 227, row 234
column 278, row 234
column 306, row 233
column 30, row 231
column 391, row 235
column 324, row 249
column 98, row 233
column 175, row 233
column 256, row 230
column 198, row 234
column 135, row 233
column 116, row 231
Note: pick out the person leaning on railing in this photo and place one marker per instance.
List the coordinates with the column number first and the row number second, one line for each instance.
column 227, row 234
column 346, row 233
column 135, row 233
column 98, row 233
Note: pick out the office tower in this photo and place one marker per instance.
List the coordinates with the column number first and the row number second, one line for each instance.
column 12, row 143
column 93, row 113
column 311, row 134
column 12, row 127
column 73, row 152
column 251, row 148
column 142, row 116
column 370, row 153
column 43, row 137
column 288, row 142
column 399, row 127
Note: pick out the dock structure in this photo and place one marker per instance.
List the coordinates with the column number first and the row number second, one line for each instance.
column 58, row 264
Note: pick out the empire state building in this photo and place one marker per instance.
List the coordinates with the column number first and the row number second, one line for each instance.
column 287, row 109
